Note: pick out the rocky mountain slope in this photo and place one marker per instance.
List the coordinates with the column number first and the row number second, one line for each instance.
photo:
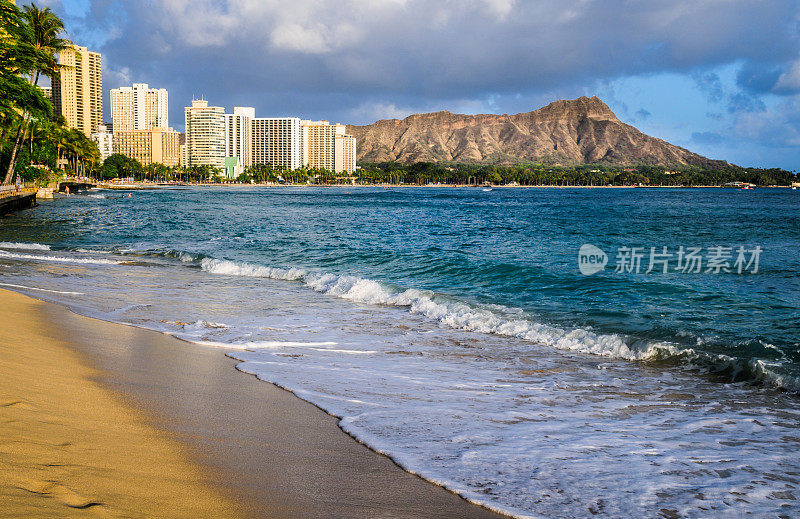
column 583, row 130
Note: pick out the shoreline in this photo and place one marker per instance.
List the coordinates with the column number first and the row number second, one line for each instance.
column 275, row 453
column 154, row 186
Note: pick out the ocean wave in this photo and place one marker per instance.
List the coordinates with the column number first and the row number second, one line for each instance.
column 57, row 259
column 23, row 246
column 463, row 316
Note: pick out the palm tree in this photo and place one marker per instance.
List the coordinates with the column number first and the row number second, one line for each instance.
column 39, row 42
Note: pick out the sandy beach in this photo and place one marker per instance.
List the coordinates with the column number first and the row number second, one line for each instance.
column 103, row 419
column 70, row 447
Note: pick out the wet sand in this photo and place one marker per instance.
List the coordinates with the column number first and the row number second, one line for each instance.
column 274, row 454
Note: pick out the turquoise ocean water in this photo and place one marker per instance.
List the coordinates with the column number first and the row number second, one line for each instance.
column 453, row 329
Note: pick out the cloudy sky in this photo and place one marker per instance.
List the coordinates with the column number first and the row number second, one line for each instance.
column 720, row 77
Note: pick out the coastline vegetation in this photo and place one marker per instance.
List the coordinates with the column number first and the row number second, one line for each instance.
column 425, row 173
column 34, row 142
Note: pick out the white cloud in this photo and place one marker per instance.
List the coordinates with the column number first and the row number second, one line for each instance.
column 789, row 81
column 373, row 111
column 777, row 127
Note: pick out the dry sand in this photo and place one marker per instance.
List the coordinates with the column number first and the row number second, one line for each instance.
column 69, row 447
column 72, row 434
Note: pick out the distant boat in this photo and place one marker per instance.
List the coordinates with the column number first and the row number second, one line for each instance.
column 794, row 188
column 487, row 189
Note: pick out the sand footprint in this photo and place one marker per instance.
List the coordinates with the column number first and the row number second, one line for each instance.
column 73, row 499
column 18, row 404
column 51, row 488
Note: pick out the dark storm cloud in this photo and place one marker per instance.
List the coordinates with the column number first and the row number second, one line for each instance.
column 310, row 55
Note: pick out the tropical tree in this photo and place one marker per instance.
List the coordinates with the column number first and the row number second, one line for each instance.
column 35, row 40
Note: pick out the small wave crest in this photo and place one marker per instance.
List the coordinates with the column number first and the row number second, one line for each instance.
column 23, row 246
column 57, row 259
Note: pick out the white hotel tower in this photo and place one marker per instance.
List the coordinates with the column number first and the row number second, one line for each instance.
column 139, row 108
column 276, row 141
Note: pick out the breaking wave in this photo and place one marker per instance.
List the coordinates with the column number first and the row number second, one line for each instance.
column 463, row 316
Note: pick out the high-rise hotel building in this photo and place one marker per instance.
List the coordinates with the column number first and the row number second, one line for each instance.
column 205, row 134
column 276, row 142
column 140, row 122
column 139, row 108
column 344, row 153
column 78, row 88
column 327, row 146
column 239, row 140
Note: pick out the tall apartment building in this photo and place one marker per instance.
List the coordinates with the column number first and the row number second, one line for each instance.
column 239, row 140
column 276, row 142
column 156, row 145
column 139, row 108
column 105, row 141
column 327, row 146
column 344, row 153
column 77, row 90
column 205, row 134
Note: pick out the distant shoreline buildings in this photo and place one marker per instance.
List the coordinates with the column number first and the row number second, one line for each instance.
column 229, row 142
column 237, row 141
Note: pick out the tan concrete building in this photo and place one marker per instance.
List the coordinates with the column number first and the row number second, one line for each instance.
column 344, row 154
column 155, row 145
column 77, row 89
column 276, row 142
column 205, row 134
column 327, row 146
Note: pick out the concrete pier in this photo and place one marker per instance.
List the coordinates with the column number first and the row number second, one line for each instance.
column 74, row 187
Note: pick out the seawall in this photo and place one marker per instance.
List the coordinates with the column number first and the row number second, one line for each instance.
column 14, row 203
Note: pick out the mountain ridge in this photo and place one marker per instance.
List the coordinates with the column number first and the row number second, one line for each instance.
column 582, row 130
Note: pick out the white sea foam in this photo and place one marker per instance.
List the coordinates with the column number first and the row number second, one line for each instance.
column 87, row 251
column 43, row 289
column 462, row 316
column 23, row 246
column 57, row 259
column 230, row 268
column 455, row 314
column 262, row 345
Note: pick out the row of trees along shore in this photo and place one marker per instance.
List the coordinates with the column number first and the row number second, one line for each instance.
column 34, row 142
column 423, row 173
column 577, row 175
